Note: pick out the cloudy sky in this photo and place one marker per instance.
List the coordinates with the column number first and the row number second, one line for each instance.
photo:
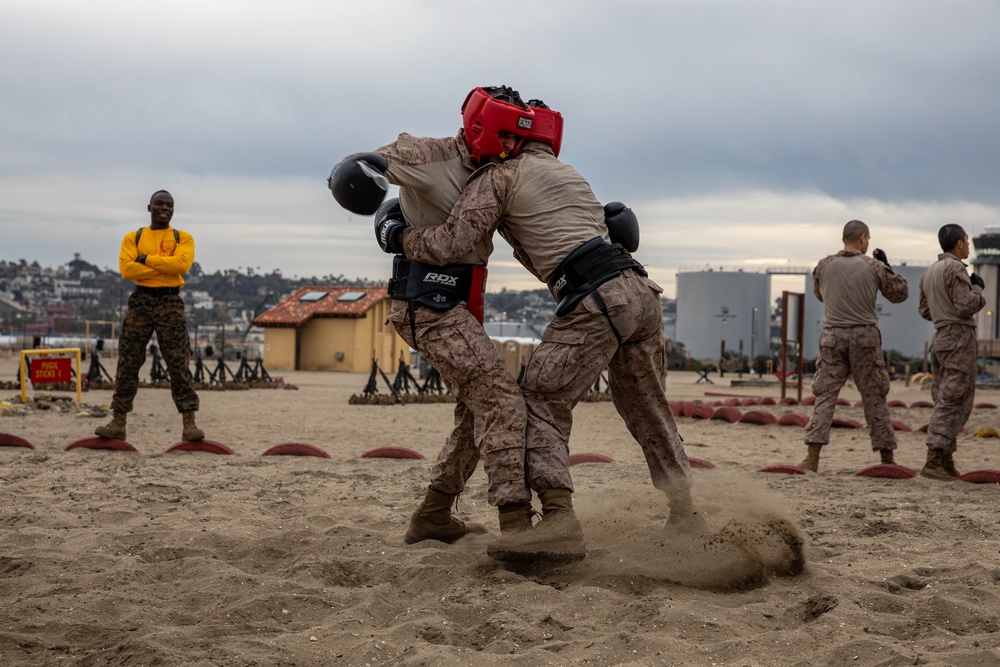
column 742, row 133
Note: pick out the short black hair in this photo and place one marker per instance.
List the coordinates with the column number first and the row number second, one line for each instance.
column 153, row 196
column 949, row 236
column 853, row 231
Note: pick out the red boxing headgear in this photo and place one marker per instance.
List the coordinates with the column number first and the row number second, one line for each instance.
column 547, row 126
column 489, row 111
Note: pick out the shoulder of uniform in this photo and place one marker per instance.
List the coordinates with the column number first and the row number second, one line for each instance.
column 482, row 170
column 874, row 263
column 826, row 260
column 538, row 149
column 412, row 150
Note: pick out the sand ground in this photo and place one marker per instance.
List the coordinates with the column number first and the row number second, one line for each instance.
column 189, row 558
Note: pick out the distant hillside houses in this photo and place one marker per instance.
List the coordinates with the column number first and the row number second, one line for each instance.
column 49, row 301
column 65, row 290
column 199, row 299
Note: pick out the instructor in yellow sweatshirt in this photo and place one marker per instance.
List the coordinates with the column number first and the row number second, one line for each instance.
column 155, row 258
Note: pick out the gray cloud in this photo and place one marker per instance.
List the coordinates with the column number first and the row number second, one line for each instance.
column 891, row 102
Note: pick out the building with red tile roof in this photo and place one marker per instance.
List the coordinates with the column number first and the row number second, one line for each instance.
column 325, row 328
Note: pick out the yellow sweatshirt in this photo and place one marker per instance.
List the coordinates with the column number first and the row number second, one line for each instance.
column 166, row 260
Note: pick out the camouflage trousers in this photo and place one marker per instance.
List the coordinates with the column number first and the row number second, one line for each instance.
column 575, row 349
column 490, row 414
column 165, row 316
column 953, row 384
column 851, row 352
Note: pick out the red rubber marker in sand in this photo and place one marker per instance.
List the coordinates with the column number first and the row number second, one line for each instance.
column 392, row 453
column 207, row 446
column 10, row 440
column 296, row 449
column 101, row 443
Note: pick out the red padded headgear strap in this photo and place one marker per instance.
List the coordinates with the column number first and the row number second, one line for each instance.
column 547, row 126
column 489, row 111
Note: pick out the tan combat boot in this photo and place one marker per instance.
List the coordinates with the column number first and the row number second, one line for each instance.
column 557, row 509
column 936, row 468
column 887, row 456
column 515, row 518
column 811, row 461
column 683, row 516
column 433, row 520
column 191, row 430
column 949, row 464
column 558, row 537
column 115, row 429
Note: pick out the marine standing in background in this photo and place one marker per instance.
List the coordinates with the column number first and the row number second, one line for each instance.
column 155, row 258
column 850, row 344
column 950, row 299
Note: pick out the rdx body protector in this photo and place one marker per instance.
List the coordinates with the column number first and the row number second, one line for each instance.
column 439, row 288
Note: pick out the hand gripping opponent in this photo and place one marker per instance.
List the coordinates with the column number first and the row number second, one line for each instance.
column 389, row 222
column 358, row 182
column 623, row 226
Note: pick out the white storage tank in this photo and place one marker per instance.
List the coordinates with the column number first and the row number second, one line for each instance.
column 716, row 305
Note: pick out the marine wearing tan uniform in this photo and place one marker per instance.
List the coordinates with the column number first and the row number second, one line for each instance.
column 489, row 415
column 950, row 299
column 547, row 211
column 850, row 344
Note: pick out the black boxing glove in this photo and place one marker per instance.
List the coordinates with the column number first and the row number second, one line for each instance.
column 623, row 226
column 879, row 254
column 358, row 182
column 389, row 222
column 977, row 279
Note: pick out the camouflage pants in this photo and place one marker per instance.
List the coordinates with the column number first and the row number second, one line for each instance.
column 575, row 349
column 953, row 384
column 851, row 352
column 490, row 415
column 164, row 315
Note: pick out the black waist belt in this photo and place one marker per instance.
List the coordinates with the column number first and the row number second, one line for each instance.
column 157, row 291
column 438, row 287
column 587, row 268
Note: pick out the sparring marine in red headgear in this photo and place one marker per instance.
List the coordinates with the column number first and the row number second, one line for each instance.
column 489, row 111
column 547, row 125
